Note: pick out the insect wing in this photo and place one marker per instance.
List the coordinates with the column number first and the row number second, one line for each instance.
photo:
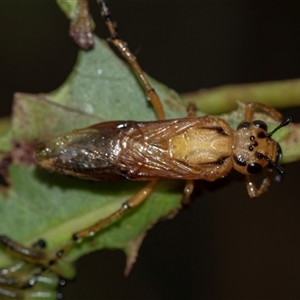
column 190, row 148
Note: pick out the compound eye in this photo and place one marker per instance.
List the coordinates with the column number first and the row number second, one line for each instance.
column 254, row 168
column 260, row 124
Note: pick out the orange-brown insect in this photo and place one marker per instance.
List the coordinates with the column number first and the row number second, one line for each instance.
column 189, row 149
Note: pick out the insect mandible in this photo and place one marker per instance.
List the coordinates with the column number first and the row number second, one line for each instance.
column 190, row 148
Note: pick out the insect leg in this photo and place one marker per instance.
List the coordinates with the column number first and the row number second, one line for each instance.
column 191, row 110
column 132, row 202
column 131, row 59
column 253, row 191
column 250, row 107
column 187, row 192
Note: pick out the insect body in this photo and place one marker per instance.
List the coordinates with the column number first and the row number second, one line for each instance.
column 189, row 148
column 175, row 149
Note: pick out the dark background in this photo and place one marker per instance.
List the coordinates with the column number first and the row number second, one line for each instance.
column 226, row 246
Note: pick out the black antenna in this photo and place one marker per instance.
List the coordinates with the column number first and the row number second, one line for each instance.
column 282, row 124
column 278, row 168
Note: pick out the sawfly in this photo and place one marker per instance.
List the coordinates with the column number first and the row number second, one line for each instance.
column 191, row 148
